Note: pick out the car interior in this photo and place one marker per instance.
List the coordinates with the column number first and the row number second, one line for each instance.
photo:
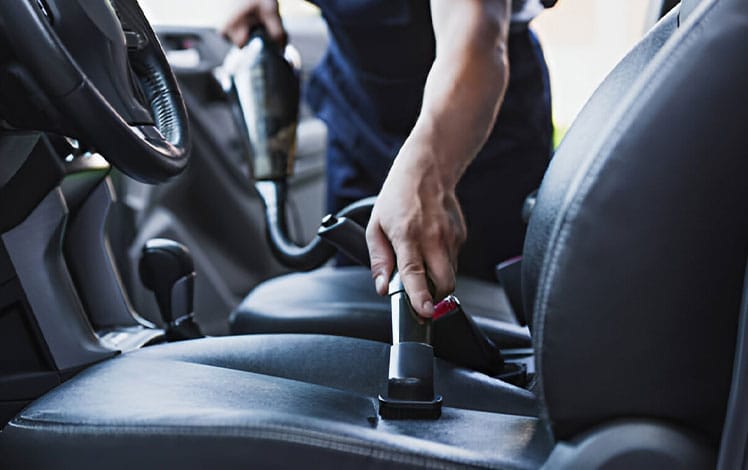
column 167, row 299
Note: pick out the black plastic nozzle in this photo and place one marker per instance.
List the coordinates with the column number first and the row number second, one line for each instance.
column 347, row 236
column 410, row 382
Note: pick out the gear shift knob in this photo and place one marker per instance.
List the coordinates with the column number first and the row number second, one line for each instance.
column 166, row 268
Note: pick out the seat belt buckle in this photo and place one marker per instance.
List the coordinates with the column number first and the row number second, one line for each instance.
column 457, row 339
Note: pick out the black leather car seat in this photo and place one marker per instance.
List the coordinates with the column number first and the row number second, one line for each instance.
column 635, row 257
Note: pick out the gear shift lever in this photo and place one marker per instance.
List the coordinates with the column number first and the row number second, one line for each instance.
column 166, row 268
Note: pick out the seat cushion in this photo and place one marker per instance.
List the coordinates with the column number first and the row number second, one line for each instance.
column 342, row 301
column 268, row 400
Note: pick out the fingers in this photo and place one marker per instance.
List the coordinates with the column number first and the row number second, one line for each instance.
column 381, row 255
column 237, row 29
column 418, row 270
column 273, row 24
column 440, row 269
column 413, row 275
column 423, row 255
column 256, row 12
column 412, row 267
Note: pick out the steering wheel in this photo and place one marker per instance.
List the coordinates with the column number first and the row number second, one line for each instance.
column 106, row 78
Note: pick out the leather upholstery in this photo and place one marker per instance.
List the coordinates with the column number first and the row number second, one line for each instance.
column 578, row 147
column 277, row 400
column 342, row 301
column 644, row 247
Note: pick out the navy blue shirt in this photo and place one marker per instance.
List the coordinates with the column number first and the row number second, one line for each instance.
column 370, row 83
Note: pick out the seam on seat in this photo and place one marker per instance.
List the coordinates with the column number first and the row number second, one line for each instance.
column 318, row 305
column 286, row 434
column 269, row 374
column 198, row 362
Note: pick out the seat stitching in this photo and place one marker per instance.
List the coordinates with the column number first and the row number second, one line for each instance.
column 281, row 433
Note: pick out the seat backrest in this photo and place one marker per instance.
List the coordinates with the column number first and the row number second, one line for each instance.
column 733, row 452
column 636, row 248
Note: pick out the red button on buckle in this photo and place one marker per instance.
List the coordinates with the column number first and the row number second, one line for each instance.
column 446, row 306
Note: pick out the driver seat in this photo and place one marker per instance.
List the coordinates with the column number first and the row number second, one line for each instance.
column 634, row 268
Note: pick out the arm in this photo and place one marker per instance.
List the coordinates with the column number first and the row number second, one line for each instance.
column 417, row 221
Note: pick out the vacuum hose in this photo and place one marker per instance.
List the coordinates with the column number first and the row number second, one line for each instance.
column 323, row 246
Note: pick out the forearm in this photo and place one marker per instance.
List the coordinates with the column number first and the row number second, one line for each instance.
column 417, row 224
column 465, row 85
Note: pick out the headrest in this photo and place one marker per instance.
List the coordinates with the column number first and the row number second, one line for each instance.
column 636, row 248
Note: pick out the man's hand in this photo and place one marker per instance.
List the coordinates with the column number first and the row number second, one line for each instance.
column 417, row 223
column 253, row 13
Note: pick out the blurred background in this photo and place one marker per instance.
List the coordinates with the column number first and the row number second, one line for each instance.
column 582, row 39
